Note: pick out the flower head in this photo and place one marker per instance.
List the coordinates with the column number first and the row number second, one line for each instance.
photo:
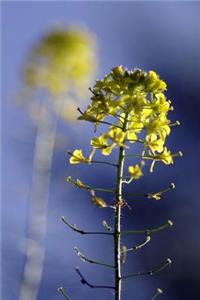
column 136, row 109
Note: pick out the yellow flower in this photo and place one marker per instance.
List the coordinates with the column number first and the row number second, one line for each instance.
column 77, row 157
column 165, row 156
column 154, row 144
column 135, row 171
column 107, row 151
column 132, row 137
column 155, row 196
column 116, row 135
column 153, row 83
column 77, row 183
column 87, row 115
column 98, row 201
column 135, row 123
column 99, row 142
column 158, row 126
column 159, row 104
column 137, row 110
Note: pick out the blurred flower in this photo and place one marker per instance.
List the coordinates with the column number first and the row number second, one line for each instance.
column 62, row 65
column 98, row 201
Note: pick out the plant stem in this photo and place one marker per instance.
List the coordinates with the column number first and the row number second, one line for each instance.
column 117, row 227
column 117, row 238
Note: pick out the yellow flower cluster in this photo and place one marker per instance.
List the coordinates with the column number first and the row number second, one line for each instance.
column 136, row 104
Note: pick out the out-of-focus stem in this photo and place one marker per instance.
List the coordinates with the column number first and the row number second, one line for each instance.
column 43, row 153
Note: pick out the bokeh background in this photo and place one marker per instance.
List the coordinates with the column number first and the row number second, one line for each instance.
column 163, row 36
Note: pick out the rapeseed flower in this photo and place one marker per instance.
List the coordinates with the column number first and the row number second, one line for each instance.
column 136, row 104
column 135, row 171
column 77, row 157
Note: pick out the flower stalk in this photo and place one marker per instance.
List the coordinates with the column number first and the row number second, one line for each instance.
column 117, row 226
column 136, row 100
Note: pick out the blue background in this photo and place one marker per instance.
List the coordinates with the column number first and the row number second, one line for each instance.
column 163, row 36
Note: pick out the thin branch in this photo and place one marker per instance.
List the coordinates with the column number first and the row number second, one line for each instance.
column 91, row 261
column 62, row 292
column 136, row 195
column 103, row 190
column 157, row 293
column 83, row 186
column 160, row 268
column 84, row 281
column 169, row 223
column 178, row 154
column 157, row 195
column 98, row 121
column 93, row 161
column 103, row 162
column 154, row 195
column 135, row 140
column 138, row 247
column 139, row 155
column 127, row 181
column 74, row 228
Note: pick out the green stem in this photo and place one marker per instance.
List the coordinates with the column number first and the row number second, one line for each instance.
column 117, row 227
column 102, row 190
column 160, row 268
column 91, row 261
column 117, row 238
column 169, row 223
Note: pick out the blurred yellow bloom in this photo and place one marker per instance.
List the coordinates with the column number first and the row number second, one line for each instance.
column 60, row 66
column 135, row 171
column 77, row 183
column 155, row 196
column 63, row 56
column 98, row 201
